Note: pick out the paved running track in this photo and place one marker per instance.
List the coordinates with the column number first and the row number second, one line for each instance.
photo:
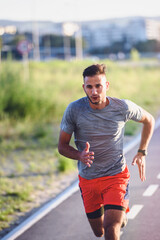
column 68, row 220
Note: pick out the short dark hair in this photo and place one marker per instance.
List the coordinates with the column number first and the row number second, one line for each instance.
column 94, row 69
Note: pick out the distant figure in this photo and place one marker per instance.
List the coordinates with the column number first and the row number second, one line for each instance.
column 98, row 122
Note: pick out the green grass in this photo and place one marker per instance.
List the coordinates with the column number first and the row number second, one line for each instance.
column 64, row 164
column 30, row 114
column 12, row 198
column 54, row 84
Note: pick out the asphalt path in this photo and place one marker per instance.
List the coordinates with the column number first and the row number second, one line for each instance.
column 68, row 220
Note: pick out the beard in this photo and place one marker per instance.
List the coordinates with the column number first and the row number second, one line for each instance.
column 96, row 103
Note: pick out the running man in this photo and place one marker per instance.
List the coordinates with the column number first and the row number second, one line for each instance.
column 97, row 122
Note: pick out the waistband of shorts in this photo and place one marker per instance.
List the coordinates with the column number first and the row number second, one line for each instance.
column 125, row 171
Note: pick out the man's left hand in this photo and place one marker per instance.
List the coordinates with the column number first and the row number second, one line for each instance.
column 139, row 159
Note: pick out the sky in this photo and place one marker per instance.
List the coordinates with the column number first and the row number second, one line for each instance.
column 76, row 10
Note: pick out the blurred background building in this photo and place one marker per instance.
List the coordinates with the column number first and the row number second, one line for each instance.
column 101, row 38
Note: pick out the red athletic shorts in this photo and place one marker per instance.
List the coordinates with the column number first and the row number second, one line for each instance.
column 110, row 192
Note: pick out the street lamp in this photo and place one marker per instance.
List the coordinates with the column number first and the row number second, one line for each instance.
column 68, row 30
column 36, row 52
column 79, row 47
column 1, row 33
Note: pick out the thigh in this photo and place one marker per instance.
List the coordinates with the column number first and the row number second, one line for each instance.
column 113, row 217
column 97, row 226
column 113, row 220
column 93, row 204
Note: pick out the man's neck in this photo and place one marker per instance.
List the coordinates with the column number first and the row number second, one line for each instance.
column 99, row 106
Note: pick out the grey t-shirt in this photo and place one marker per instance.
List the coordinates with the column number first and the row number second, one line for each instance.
column 104, row 130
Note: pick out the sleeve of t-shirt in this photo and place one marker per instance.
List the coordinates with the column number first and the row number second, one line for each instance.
column 67, row 123
column 133, row 111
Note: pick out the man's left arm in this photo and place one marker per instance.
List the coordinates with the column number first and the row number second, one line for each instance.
column 147, row 131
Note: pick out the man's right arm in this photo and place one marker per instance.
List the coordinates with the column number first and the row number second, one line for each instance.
column 68, row 151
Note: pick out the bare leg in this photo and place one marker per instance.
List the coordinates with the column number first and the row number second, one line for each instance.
column 112, row 223
column 97, row 226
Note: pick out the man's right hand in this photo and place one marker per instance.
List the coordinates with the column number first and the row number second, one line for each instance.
column 86, row 156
